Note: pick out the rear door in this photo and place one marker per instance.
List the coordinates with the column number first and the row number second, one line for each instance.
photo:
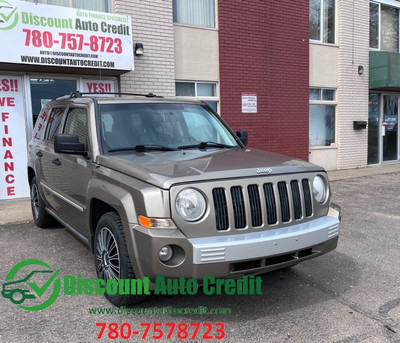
column 46, row 174
column 72, row 173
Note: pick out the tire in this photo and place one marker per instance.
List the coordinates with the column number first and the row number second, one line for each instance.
column 41, row 218
column 111, row 257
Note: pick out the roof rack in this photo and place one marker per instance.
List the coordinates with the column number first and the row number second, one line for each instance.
column 78, row 94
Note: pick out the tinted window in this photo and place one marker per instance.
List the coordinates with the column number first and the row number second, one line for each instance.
column 76, row 123
column 54, row 122
column 166, row 124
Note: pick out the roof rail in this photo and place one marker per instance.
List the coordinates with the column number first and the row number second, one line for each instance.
column 78, row 94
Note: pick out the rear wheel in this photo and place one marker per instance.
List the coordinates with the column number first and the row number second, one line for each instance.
column 111, row 257
column 41, row 218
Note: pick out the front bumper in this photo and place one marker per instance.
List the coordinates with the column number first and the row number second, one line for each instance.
column 233, row 255
column 270, row 242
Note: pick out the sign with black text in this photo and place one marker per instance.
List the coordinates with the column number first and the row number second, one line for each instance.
column 64, row 37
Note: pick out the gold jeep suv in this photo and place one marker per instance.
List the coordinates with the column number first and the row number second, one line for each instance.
column 164, row 187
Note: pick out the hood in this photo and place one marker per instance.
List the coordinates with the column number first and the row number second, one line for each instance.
column 166, row 168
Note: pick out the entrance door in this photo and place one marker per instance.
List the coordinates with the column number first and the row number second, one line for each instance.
column 383, row 137
column 390, row 127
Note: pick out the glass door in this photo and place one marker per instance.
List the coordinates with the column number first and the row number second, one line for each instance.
column 390, row 128
column 373, row 128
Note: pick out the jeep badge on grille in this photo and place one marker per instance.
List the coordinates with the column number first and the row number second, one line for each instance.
column 264, row 171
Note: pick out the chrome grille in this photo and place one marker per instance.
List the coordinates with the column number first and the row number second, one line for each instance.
column 267, row 204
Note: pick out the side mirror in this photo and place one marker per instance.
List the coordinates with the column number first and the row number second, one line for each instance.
column 68, row 144
column 243, row 136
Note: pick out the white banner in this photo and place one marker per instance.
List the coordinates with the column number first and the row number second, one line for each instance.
column 64, row 37
column 13, row 156
column 249, row 102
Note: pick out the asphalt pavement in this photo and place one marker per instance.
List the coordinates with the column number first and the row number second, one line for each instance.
column 350, row 295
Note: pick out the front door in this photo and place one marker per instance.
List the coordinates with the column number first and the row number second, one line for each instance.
column 383, row 117
column 390, row 127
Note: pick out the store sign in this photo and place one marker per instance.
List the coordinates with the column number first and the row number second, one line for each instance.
column 13, row 156
column 98, row 86
column 64, row 37
column 249, row 102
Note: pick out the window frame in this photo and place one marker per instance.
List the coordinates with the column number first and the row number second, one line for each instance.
column 389, row 3
column 325, row 103
column 215, row 27
column 205, row 99
column 321, row 18
column 379, row 25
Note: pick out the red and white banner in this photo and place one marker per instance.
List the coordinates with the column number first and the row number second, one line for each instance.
column 64, row 37
column 13, row 155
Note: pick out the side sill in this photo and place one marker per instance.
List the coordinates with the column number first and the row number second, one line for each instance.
column 74, row 232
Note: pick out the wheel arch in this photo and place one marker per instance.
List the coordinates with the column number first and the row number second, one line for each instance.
column 31, row 175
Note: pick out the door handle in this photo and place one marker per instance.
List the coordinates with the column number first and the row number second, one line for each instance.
column 39, row 154
column 56, row 161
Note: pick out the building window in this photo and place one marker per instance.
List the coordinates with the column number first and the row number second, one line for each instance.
column 322, row 116
column 322, row 21
column 384, row 27
column 194, row 12
column 99, row 5
column 205, row 90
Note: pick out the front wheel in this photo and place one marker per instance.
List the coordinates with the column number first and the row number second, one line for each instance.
column 111, row 257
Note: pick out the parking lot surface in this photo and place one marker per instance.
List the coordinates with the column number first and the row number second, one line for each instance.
column 347, row 296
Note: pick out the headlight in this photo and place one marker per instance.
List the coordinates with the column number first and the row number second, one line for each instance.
column 319, row 189
column 190, row 204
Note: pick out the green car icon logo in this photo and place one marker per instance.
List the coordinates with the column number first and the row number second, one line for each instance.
column 20, row 289
column 18, row 295
column 8, row 16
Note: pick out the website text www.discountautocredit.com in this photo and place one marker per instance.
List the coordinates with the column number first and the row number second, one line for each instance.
column 67, row 61
column 160, row 310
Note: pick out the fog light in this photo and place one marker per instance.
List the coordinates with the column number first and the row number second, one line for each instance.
column 165, row 253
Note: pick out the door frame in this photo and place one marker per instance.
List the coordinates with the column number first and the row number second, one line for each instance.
column 380, row 127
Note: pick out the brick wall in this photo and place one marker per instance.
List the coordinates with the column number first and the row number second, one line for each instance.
column 152, row 25
column 353, row 88
column 264, row 49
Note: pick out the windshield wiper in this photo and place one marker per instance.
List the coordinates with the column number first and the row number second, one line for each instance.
column 143, row 148
column 203, row 145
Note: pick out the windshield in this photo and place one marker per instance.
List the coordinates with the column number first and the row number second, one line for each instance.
column 166, row 125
